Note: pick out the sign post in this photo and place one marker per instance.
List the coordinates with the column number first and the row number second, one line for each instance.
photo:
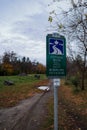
column 55, row 65
column 56, row 84
column 55, row 56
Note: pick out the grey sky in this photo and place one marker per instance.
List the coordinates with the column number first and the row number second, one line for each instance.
column 23, row 25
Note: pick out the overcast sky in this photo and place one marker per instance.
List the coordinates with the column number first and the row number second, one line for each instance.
column 23, row 25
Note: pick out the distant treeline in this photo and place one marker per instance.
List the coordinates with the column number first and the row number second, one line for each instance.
column 12, row 64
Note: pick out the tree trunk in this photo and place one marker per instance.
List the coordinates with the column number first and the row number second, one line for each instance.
column 83, row 73
column 83, row 82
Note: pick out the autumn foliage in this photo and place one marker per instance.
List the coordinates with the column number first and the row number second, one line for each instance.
column 11, row 64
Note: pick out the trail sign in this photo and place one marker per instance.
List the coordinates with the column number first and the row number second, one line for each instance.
column 55, row 55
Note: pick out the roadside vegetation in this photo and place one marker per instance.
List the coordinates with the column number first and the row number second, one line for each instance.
column 72, row 25
column 19, row 78
column 73, row 92
column 72, row 109
column 12, row 64
column 23, row 87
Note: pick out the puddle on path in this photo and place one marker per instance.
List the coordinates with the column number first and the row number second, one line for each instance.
column 44, row 88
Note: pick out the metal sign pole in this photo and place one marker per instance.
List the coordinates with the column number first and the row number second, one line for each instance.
column 55, row 65
column 56, row 84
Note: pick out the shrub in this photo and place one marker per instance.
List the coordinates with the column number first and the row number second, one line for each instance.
column 74, row 81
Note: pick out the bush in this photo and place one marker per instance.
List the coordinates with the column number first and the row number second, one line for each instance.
column 74, row 81
column 67, row 82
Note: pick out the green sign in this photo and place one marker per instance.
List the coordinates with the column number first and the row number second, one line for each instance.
column 55, row 56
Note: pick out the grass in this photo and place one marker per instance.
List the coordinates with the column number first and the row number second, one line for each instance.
column 24, row 87
column 72, row 109
column 48, row 123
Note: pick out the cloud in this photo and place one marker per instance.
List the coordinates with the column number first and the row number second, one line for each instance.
column 22, row 27
column 23, row 46
column 32, row 27
column 17, row 9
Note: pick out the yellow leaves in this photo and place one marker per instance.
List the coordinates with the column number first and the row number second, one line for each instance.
column 41, row 68
column 8, row 67
column 50, row 19
column 60, row 26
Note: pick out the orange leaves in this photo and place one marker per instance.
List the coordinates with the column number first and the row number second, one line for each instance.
column 7, row 67
column 41, row 68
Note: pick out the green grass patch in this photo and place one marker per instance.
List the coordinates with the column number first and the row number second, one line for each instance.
column 24, row 87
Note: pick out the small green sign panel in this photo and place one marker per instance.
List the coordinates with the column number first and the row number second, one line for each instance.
column 55, row 56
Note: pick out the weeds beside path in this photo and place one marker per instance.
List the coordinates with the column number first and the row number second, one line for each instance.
column 28, row 115
column 72, row 110
column 24, row 87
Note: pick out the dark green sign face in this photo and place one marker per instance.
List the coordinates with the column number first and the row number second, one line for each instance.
column 55, row 56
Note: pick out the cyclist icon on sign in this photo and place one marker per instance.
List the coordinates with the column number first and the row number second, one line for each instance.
column 56, row 47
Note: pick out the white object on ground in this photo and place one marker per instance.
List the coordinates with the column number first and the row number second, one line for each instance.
column 44, row 88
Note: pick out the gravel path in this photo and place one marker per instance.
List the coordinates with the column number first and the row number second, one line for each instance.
column 27, row 115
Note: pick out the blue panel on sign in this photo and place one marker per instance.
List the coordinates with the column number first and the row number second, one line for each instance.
column 56, row 46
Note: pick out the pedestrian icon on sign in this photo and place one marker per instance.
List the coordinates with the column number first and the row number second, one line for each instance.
column 56, row 46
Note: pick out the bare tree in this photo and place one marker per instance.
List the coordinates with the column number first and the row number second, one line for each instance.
column 73, row 24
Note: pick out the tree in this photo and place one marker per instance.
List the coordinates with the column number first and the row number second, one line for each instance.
column 73, row 24
column 11, row 64
column 41, row 69
column 6, row 57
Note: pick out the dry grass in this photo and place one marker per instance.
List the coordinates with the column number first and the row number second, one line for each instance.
column 24, row 87
column 72, row 110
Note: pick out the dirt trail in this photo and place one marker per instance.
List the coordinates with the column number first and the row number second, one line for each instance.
column 28, row 115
